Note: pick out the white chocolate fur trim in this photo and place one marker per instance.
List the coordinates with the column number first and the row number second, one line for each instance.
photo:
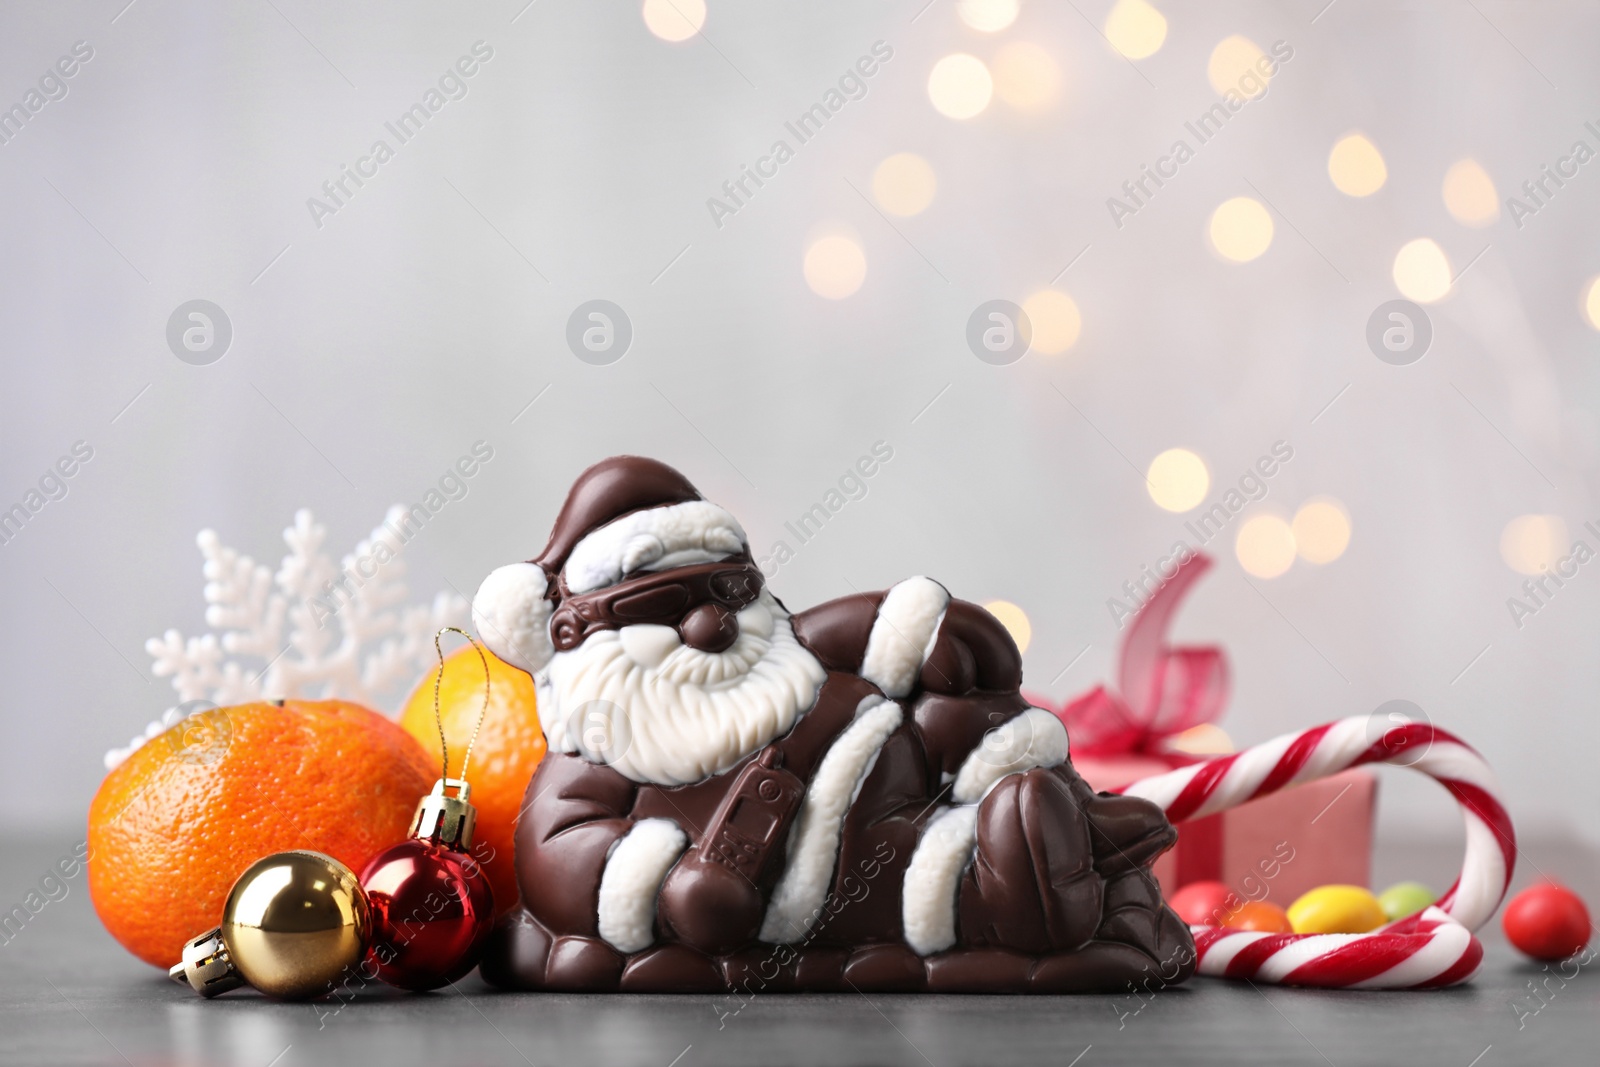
column 1035, row 738
column 632, row 880
column 903, row 634
column 512, row 616
column 814, row 841
column 545, row 694
column 697, row 531
column 933, row 879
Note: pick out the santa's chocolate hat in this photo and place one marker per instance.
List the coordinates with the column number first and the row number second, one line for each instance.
column 608, row 491
column 622, row 515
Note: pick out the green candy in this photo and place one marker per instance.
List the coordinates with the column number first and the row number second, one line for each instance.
column 1405, row 898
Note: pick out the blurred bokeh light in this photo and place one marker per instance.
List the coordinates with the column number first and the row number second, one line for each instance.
column 1055, row 319
column 1531, row 544
column 988, row 16
column 1356, row 166
column 674, row 20
column 1014, row 619
column 1265, row 546
column 1469, row 194
column 835, row 267
column 1237, row 65
column 1241, row 229
column 960, row 86
column 1135, row 28
column 1026, row 77
column 1321, row 530
column 1591, row 302
column 1177, row 480
column 904, row 184
column 1422, row 271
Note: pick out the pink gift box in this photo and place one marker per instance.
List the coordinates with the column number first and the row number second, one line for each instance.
column 1275, row 848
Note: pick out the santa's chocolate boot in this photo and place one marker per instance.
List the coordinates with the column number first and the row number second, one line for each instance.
column 1126, row 833
column 1059, row 869
column 1032, row 885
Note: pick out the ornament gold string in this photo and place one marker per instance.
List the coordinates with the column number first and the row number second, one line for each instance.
column 438, row 718
column 417, row 941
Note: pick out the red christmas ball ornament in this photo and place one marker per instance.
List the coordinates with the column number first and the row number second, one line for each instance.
column 431, row 902
column 432, row 905
column 1547, row 921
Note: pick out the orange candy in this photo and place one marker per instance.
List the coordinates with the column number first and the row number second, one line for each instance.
column 1259, row 916
column 508, row 750
column 174, row 826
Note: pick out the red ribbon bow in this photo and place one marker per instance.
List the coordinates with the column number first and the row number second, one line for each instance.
column 1161, row 690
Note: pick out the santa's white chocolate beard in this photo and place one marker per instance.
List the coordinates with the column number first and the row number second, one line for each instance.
column 659, row 711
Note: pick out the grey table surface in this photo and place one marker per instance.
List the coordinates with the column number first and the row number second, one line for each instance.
column 70, row 995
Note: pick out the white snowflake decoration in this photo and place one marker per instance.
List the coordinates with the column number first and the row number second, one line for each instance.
column 316, row 630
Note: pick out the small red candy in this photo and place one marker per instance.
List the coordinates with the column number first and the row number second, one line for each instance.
column 1547, row 921
column 1204, row 903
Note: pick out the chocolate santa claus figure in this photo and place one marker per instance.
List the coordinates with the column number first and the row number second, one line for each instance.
column 737, row 797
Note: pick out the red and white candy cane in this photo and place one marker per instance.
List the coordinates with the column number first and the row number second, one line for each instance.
column 1427, row 951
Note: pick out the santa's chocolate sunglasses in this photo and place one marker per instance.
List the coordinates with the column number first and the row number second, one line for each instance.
column 662, row 599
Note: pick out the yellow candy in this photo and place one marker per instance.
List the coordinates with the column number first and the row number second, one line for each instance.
column 1336, row 909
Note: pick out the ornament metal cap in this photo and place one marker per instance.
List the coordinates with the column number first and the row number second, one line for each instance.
column 444, row 819
column 207, row 968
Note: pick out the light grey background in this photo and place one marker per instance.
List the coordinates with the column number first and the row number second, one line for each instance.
column 369, row 353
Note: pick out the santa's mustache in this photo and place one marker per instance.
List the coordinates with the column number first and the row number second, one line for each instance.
column 661, row 649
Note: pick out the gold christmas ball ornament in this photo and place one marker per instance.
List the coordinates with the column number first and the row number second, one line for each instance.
column 293, row 924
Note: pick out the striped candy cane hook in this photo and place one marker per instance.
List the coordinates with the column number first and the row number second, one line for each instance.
column 1427, row 951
